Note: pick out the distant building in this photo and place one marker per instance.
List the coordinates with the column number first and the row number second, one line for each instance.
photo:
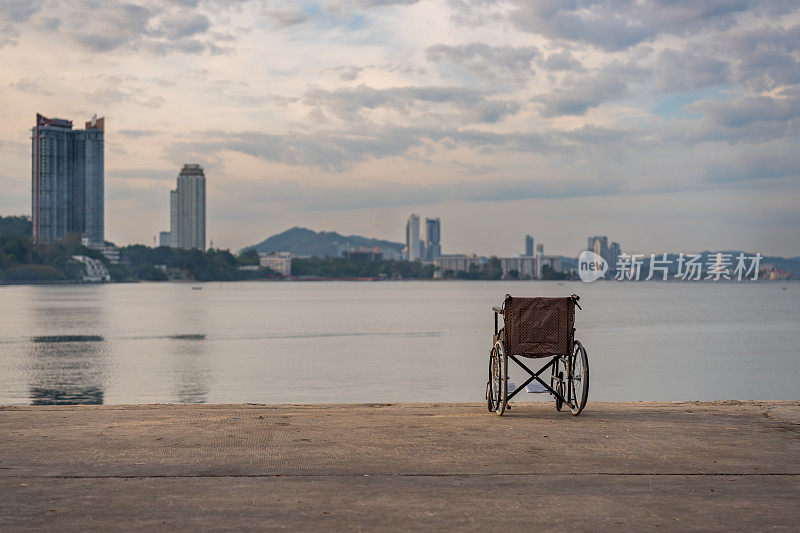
column 525, row 267
column 109, row 251
column 599, row 245
column 363, row 254
column 528, row 267
column 413, row 244
column 770, row 271
column 528, row 246
column 93, row 269
column 390, row 254
column 188, row 209
column 67, row 180
column 613, row 256
column 553, row 261
column 456, row 263
column 280, row 262
column 433, row 234
column 539, row 255
column 164, row 238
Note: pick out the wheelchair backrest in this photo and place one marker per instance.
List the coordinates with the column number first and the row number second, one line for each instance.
column 539, row 327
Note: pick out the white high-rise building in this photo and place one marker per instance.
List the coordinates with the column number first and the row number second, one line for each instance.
column 413, row 244
column 187, row 213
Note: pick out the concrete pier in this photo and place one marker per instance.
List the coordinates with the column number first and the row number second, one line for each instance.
column 633, row 466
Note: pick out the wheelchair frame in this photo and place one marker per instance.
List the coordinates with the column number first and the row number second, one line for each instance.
column 561, row 387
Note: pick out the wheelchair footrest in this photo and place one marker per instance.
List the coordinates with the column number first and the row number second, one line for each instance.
column 535, row 387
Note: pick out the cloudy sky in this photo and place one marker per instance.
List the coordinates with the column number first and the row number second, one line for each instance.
column 665, row 125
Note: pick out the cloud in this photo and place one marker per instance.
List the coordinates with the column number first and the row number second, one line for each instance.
column 182, row 25
column 114, row 90
column 115, row 25
column 561, row 61
column 348, row 104
column 20, row 10
column 744, row 112
column 349, row 73
column 486, row 61
column 766, row 57
column 319, row 195
column 13, row 13
column 29, row 86
column 142, row 173
column 619, row 25
column 342, row 150
column 580, row 95
column 333, row 152
column 285, row 18
column 386, row 103
column 755, row 166
column 341, row 6
column 110, row 26
column 135, row 134
column 688, row 70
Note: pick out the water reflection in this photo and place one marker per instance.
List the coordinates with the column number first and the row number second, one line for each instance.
column 190, row 368
column 67, row 338
column 67, row 369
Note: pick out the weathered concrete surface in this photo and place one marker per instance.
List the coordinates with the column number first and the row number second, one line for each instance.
column 715, row 466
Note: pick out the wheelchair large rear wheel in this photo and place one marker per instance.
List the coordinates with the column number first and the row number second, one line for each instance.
column 497, row 392
column 578, row 379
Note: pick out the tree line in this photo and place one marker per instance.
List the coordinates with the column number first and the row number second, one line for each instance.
column 22, row 260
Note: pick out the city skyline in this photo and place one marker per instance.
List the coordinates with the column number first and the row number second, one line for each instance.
column 669, row 127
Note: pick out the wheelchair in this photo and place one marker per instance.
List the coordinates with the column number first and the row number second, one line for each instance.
column 538, row 328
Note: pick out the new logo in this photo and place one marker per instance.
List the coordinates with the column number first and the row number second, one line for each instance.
column 591, row 266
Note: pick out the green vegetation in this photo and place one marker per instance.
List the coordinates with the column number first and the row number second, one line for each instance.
column 549, row 273
column 16, row 226
column 22, row 260
column 337, row 267
column 159, row 264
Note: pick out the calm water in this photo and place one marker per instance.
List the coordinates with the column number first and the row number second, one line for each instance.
column 382, row 342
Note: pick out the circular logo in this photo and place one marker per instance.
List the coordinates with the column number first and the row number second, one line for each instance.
column 591, row 266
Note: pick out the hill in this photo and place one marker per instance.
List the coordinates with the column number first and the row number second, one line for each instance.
column 302, row 241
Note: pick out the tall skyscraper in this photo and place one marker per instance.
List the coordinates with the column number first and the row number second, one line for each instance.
column 433, row 235
column 528, row 246
column 67, row 180
column 187, row 209
column 599, row 245
column 412, row 239
column 613, row 256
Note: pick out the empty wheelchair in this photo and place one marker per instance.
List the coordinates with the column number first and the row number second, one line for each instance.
column 538, row 328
